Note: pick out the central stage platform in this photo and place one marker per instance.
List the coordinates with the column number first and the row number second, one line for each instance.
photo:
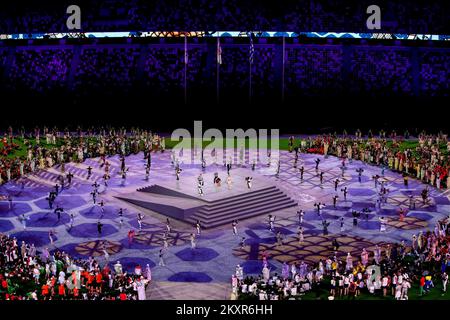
column 218, row 205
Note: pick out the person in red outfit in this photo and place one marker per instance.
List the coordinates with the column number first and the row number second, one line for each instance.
column 76, row 293
column 98, row 280
column 422, row 285
column 62, row 290
column 45, row 290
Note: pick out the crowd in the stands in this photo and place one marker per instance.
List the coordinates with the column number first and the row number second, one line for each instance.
column 198, row 15
column 40, row 70
column 380, row 72
column 434, row 73
column 112, row 68
column 314, row 70
column 160, row 70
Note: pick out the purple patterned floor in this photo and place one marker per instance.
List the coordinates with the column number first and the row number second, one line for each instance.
column 6, row 225
column 213, row 260
column 95, row 212
column 255, row 266
column 89, row 230
column 47, row 219
column 190, row 277
column 130, row 263
column 198, row 254
column 63, row 201
column 39, row 238
column 17, row 209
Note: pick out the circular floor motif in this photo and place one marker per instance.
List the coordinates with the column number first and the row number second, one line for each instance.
column 198, row 254
column 190, row 277
column 156, row 238
column 95, row 248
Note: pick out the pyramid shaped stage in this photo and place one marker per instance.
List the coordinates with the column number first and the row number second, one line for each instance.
column 219, row 205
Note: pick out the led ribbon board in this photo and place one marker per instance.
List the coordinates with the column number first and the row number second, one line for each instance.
column 216, row 34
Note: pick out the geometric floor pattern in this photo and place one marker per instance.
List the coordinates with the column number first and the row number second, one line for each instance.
column 219, row 251
column 311, row 250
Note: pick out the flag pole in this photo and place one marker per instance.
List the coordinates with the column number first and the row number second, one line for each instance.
column 282, row 73
column 250, row 84
column 218, row 70
column 185, row 68
column 250, row 68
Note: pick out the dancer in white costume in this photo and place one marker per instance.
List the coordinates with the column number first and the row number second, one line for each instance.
column 249, row 180
column 229, row 182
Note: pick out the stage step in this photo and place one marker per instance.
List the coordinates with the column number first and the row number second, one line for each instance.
column 242, row 207
column 244, row 196
column 157, row 189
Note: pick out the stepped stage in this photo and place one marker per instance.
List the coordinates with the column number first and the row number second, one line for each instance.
column 219, row 205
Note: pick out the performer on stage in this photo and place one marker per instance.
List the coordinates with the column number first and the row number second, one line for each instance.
column 300, row 235
column 177, row 172
column 345, row 191
column 342, row 224
column 229, row 182
column 319, row 206
column 198, row 227
column 147, row 172
column 336, row 184
column 217, row 181
column 325, row 225
column 193, row 242
column 271, row 221
column 200, row 189
column 249, row 180
column 335, row 200
column 161, row 262
column 300, row 214
column 89, row 170
column 317, row 161
column 234, row 226
column 242, row 243
column 139, row 220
